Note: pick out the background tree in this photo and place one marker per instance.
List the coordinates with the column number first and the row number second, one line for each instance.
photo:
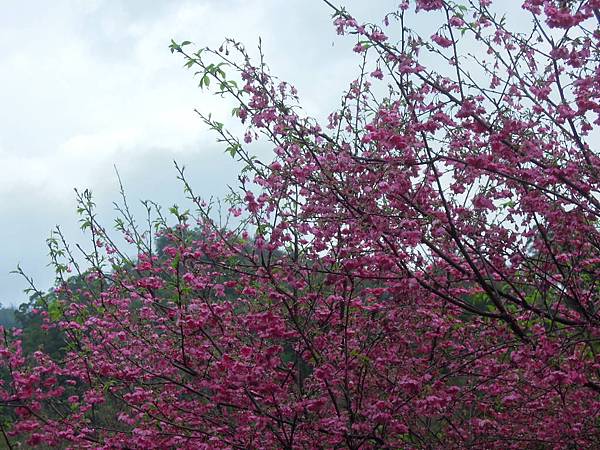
column 7, row 317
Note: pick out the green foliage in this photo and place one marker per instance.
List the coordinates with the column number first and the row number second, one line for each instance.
column 34, row 334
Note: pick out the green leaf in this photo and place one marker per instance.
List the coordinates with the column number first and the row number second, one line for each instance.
column 232, row 149
column 55, row 310
column 174, row 46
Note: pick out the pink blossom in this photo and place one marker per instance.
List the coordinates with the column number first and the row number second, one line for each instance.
column 441, row 40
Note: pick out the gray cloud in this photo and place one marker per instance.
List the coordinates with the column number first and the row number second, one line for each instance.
column 87, row 84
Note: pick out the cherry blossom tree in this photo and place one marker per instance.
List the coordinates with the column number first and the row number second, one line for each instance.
column 418, row 272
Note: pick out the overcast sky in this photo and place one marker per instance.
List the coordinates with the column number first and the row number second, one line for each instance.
column 88, row 84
